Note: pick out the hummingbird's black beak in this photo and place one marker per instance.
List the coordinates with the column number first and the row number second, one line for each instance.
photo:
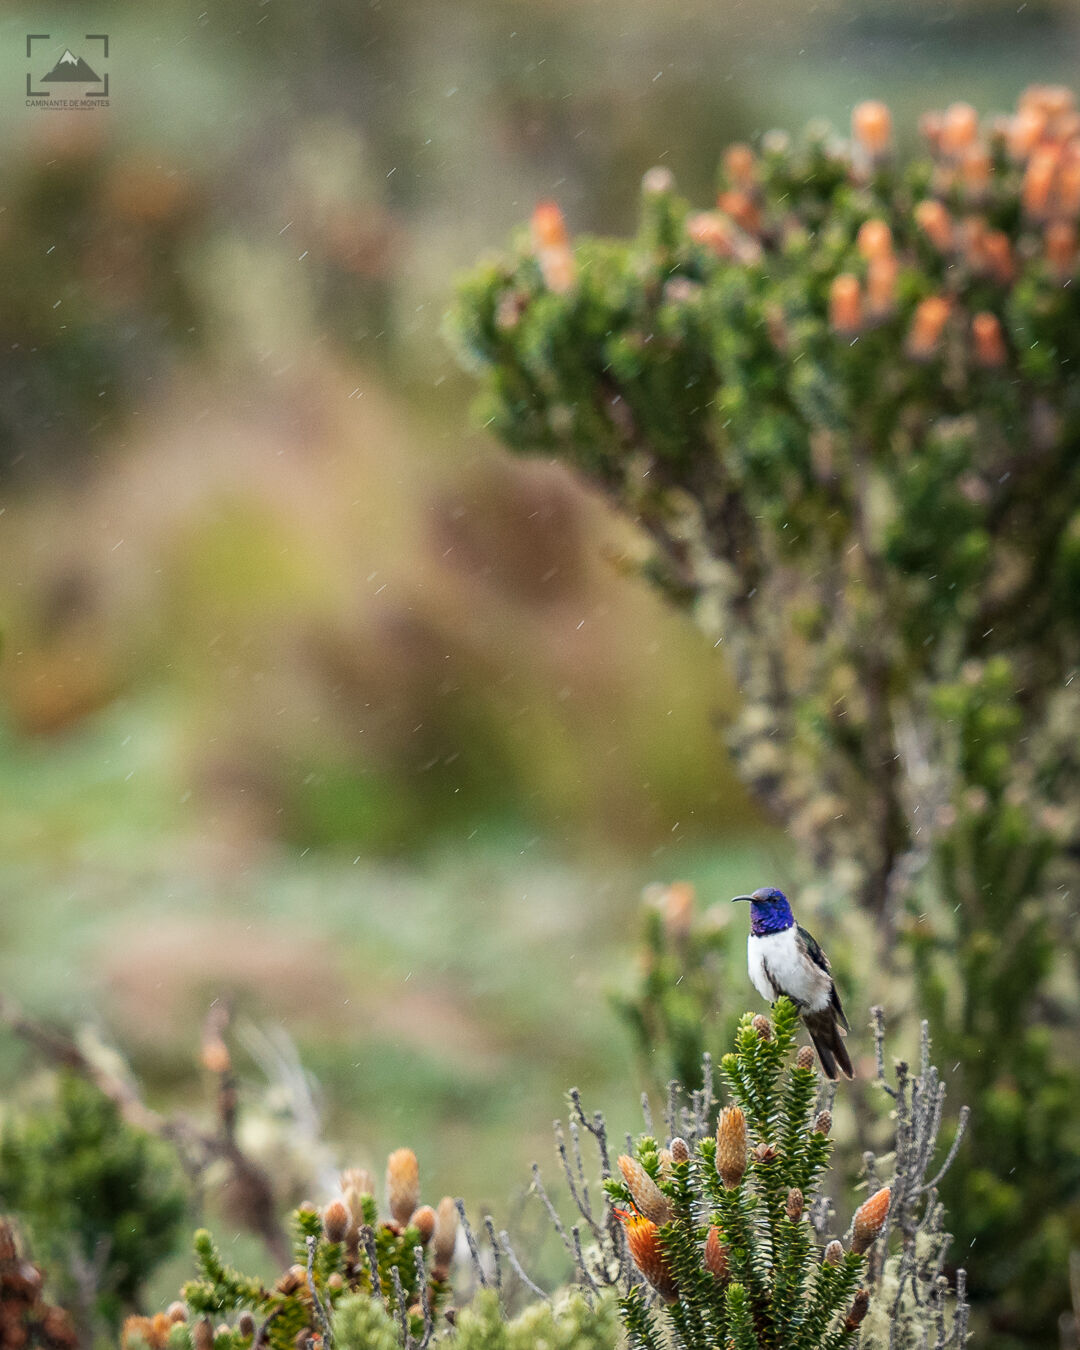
column 735, row 899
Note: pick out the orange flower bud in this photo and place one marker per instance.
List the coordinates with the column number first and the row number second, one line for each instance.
column 936, row 223
column 881, row 284
column 1038, row 185
column 975, row 170
column 402, row 1184
column 215, row 1055
column 1026, row 130
column 446, row 1226
column 1052, row 100
column 1068, row 183
column 959, row 128
column 177, row 1311
column 997, row 256
column 731, row 1146
column 1061, row 245
column 424, row 1222
column 874, row 239
column 713, row 231
column 549, row 227
column 927, row 327
column 805, row 1058
column 870, row 1219
column 643, row 1239
column 552, row 245
column 988, row 339
column 871, row 126
column 716, row 1256
column 742, row 209
column 740, row 165
column 845, row 304
column 647, row 1195
column 336, row 1221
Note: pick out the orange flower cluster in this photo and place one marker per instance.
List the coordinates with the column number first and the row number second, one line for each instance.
column 647, row 1249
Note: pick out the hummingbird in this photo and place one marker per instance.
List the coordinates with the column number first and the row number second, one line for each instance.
column 783, row 958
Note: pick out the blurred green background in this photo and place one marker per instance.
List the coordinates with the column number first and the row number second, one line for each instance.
column 310, row 695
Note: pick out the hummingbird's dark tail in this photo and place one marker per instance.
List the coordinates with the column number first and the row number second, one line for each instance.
column 828, row 1041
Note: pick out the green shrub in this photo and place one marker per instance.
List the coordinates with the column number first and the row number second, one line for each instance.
column 101, row 1201
column 845, row 407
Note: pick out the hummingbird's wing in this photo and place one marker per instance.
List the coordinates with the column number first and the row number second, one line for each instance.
column 810, row 946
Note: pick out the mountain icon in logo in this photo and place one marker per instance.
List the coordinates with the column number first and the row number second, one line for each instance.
column 73, row 69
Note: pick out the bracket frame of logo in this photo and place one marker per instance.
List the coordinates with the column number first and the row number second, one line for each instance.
column 47, row 93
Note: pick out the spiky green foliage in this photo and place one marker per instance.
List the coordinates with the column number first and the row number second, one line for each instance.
column 101, row 1201
column 845, row 407
column 739, row 1261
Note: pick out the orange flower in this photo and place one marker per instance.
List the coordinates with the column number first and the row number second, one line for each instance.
column 936, row 223
column 552, row 245
column 989, row 343
column 871, row 125
column 740, row 166
column 881, row 284
column 647, row 1195
column 845, row 304
column 1061, row 245
column 731, row 1146
column 153, row 1331
column 402, row 1184
column 874, row 239
column 927, row 327
column 1039, row 179
column 959, row 128
column 716, row 1256
column 336, row 1221
column 643, row 1239
column 857, row 1311
column 870, row 1219
column 713, row 231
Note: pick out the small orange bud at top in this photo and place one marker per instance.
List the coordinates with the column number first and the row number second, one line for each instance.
column 336, row 1221
column 959, row 128
column 845, row 304
column 1061, row 245
column 446, row 1227
column 998, row 256
column 731, row 1146
column 552, row 245
column 874, row 239
column 647, row 1195
column 881, row 284
column 1039, row 177
column 936, row 223
column 742, row 209
column 1026, row 130
column 643, row 1239
column 423, row 1220
column 716, row 1256
column 549, row 226
column 713, row 231
column 989, row 343
column 870, row 1219
column 402, row 1184
column 927, row 326
column 871, row 125
column 740, row 165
